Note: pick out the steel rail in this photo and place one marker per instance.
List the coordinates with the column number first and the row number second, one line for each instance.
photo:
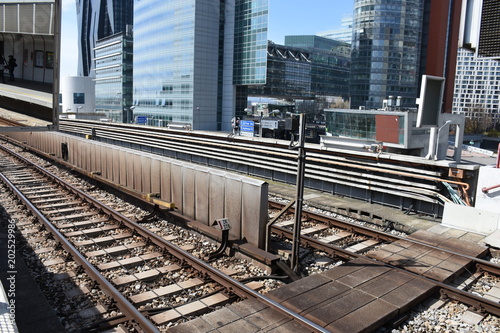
column 10, row 122
column 270, row 163
column 232, row 285
column 449, row 291
column 137, row 136
column 482, row 264
column 121, row 302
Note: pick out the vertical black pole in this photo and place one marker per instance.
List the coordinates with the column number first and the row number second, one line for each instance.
column 301, row 162
column 57, row 63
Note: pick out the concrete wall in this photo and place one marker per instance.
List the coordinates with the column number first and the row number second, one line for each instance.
column 470, row 219
column 200, row 193
column 488, row 177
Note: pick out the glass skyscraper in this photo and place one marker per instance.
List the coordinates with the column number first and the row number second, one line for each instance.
column 99, row 19
column 113, row 77
column 386, row 51
column 194, row 58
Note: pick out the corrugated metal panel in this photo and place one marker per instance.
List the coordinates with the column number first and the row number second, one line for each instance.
column 43, row 19
column 11, row 18
column 26, row 21
column 19, row 18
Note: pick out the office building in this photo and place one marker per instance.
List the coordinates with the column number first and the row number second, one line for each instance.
column 342, row 33
column 113, row 77
column 385, row 51
column 193, row 60
column 395, row 42
column 306, row 67
column 477, row 86
column 98, row 19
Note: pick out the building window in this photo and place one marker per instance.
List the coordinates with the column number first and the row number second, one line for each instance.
column 78, row 98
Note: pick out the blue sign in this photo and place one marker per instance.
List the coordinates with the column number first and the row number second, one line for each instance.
column 246, row 127
column 141, row 120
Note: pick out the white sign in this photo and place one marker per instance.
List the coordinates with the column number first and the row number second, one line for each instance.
column 271, row 124
column 222, row 224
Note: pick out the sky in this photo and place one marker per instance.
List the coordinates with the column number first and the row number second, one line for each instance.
column 286, row 17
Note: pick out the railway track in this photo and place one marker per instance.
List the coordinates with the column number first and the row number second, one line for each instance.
column 344, row 240
column 334, row 237
column 406, row 183
column 149, row 282
column 10, row 122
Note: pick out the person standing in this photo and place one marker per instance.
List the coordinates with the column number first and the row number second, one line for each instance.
column 11, row 65
column 2, row 67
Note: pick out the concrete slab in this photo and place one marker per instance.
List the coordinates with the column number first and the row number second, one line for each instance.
column 233, row 204
column 155, row 177
column 385, row 283
column 116, row 165
column 109, row 163
column 328, row 313
column 297, row 288
column 305, row 301
column 254, row 211
column 363, row 275
column 146, row 174
column 365, row 319
column 188, row 190
column 122, row 159
column 137, row 160
column 493, row 239
column 165, row 185
column 202, row 194
column 216, row 195
column 130, row 169
column 460, row 217
column 104, row 161
column 176, row 179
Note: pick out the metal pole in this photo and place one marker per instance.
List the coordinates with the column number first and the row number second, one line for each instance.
column 301, row 159
column 56, row 66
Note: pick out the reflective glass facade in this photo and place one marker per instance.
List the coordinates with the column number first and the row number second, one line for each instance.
column 386, row 50
column 192, row 59
column 377, row 126
column 319, row 68
column 250, row 44
column 113, row 77
column 98, row 19
column 163, row 60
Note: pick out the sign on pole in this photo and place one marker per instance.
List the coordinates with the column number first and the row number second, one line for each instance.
column 247, row 128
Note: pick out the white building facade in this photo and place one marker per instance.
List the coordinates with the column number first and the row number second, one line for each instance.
column 477, row 86
column 77, row 97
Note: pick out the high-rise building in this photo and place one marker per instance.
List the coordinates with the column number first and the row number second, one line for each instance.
column 477, row 86
column 342, row 33
column 113, row 77
column 385, row 51
column 319, row 67
column 193, row 59
column 98, row 19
